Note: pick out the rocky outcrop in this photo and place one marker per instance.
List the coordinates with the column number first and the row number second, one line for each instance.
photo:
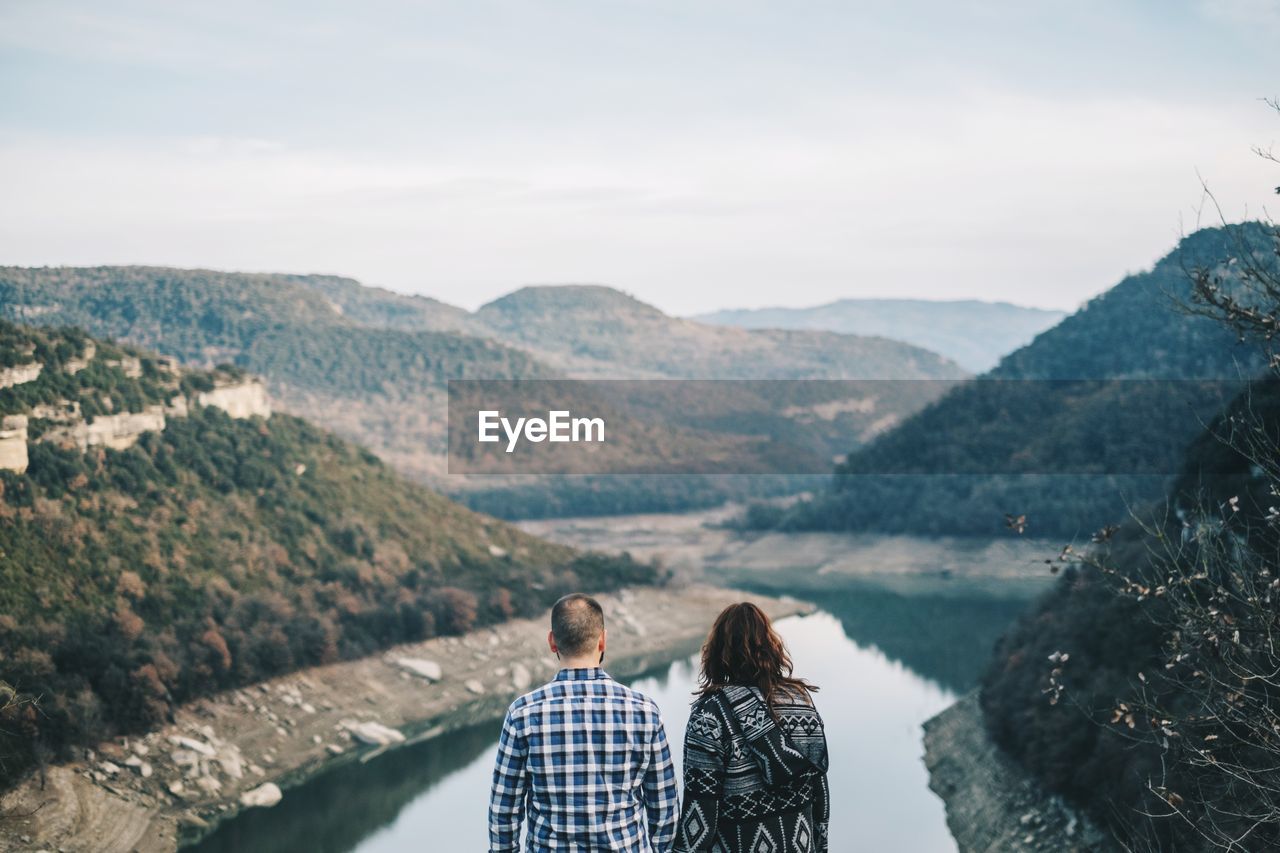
column 426, row 669
column 263, row 796
column 239, row 399
column 19, row 375
column 372, row 733
column 243, row 399
column 63, row 412
column 118, row 432
column 75, row 365
column 130, row 365
column 993, row 805
column 13, row 443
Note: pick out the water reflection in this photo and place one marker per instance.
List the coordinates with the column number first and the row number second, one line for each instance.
column 346, row 806
column 944, row 638
column 885, row 662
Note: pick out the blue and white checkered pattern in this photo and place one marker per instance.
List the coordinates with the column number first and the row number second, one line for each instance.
column 586, row 761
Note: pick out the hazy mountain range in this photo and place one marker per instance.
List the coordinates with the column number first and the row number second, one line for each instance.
column 974, row 334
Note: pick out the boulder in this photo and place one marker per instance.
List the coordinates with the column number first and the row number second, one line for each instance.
column 192, row 744
column 521, row 678
column 371, row 733
column 428, row 669
column 474, row 686
column 184, row 758
column 209, row 784
column 263, row 796
column 142, row 768
column 232, row 763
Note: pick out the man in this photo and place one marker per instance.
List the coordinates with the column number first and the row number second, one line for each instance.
column 583, row 760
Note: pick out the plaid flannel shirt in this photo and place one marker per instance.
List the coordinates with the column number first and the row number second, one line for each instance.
column 586, row 761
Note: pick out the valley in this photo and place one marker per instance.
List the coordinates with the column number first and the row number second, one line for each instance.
column 378, row 383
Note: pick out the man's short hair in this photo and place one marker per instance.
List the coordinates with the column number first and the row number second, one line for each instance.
column 577, row 620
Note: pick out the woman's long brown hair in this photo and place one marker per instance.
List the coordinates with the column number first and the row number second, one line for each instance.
column 743, row 648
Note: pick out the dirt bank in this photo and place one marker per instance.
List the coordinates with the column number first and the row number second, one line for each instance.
column 149, row 794
column 993, row 806
column 696, row 545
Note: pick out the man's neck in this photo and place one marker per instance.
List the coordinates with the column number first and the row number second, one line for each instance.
column 580, row 663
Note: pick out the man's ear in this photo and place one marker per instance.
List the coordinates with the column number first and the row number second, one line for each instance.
column 604, row 637
column 551, row 642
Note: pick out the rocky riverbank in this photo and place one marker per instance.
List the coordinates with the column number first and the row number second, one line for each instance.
column 993, row 806
column 241, row 749
column 699, row 546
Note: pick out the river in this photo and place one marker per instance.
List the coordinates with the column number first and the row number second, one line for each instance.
column 885, row 662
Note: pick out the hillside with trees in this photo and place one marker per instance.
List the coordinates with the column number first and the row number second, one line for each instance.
column 372, row 366
column 1143, row 686
column 218, row 551
column 1088, row 420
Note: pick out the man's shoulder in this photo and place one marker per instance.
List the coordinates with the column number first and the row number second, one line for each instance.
column 607, row 688
column 630, row 694
column 531, row 699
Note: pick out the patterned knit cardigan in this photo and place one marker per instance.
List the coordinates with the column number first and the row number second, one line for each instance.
column 753, row 785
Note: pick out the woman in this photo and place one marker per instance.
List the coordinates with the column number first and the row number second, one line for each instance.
column 755, row 753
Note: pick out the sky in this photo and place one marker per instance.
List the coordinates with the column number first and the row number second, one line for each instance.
column 698, row 154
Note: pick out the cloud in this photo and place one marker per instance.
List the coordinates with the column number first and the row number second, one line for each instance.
column 697, row 154
column 1044, row 201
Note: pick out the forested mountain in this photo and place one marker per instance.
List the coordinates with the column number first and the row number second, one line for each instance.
column 598, row 331
column 1031, row 438
column 974, row 334
column 209, row 551
column 381, row 308
column 372, row 365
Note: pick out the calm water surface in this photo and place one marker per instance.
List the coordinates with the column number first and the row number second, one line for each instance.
column 885, row 664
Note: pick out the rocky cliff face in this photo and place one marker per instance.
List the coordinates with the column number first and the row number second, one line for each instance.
column 13, row 443
column 118, row 431
column 22, row 373
column 993, row 806
column 240, row 399
column 66, row 426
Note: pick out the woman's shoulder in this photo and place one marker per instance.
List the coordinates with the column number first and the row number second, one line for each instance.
column 706, row 719
column 798, row 702
column 713, row 700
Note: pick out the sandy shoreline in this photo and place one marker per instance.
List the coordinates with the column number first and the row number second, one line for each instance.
column 285, row 730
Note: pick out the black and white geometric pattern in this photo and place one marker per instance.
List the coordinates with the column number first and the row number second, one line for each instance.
column 755, row 781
